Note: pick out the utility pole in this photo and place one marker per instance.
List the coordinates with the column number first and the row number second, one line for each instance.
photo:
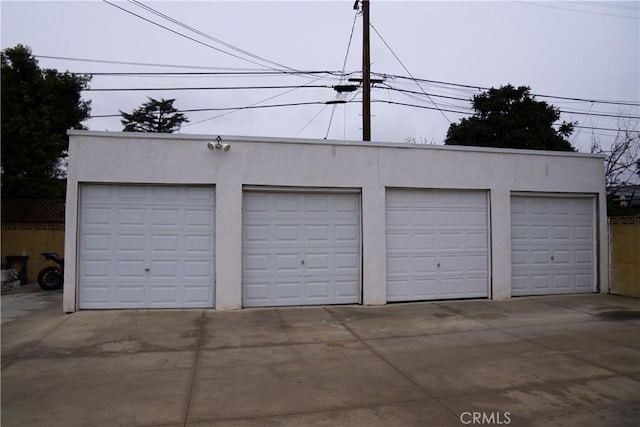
column 366, row 74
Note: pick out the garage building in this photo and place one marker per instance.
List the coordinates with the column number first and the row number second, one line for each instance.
column 201, row 221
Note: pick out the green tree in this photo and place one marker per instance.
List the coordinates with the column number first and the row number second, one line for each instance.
column 38, row 107
column 510, row 117
column 154, row 116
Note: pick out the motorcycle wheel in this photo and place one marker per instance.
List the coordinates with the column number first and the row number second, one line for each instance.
column 50, row 278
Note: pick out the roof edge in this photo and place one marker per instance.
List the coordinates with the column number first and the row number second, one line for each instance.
column 283, row 140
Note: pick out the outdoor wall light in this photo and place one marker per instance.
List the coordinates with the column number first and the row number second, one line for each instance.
column 218, row 145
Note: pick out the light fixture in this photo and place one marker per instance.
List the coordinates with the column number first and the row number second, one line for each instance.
column 218, row 145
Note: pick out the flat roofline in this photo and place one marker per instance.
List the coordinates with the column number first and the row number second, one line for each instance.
column 278, row 140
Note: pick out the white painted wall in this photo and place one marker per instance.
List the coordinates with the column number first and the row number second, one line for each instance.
column 115, row 157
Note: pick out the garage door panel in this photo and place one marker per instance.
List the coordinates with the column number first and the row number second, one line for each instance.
column 287, row 233
column 584, row 258
column 287, row 262
column 130, row 294
column 198, row 218
column 163, row 294
column 562, row 281
column 164, row 217
column 314, row 233
column 130, row 217
column 347, row 233
column 165, row 269
column 419, row 241
column 452, row 241
column 346, row 262
column 541, row 281
column 476, row 286
column 198, row 244
column 422, row 287
column 130, row 192
column 298, row 248
column 347, row 290
column 98, row 242
column 96, row 269
column 398, row 218
column 288, row 291
column 155, row 236
column 452, row 264
column 420, row 264
column 584, row 281
column 476, row 241
column 583, row 234
column 346, row 206
column 317, row 203
column 96, row 296
column 196, row 296
column 399, row 289
column 445, row 243
column 424, row 218
column 476, row 217
column 256, row 233
column 165, row 243
column 130, row 269
column 97, row 216
column 398, row 240
column 518, row 233
column 131, row 243
column 552, row 245
column 477, row 264
column 540, row 257
column 256, row 263
column 540, row 233
column 399, row 265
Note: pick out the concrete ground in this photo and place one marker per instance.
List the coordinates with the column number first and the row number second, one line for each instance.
column 543, row 361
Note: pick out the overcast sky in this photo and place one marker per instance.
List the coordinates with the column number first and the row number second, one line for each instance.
column 588, row 50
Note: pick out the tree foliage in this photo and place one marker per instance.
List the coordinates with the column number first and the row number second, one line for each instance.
column 38, row 107
column 510, row 117
column 154, row 116
column 622, row 161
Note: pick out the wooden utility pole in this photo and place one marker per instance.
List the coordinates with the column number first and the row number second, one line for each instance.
column 366, row 74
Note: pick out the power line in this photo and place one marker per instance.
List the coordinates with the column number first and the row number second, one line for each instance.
column 248, row 72
column 344, row 65
column 407, row 70
column 312, row 119
column 481, row 88
column 421, row 106
column 334, row 73
column 203, row 88
column 611, row 5
column 205, row 35
column 589, row 113
column 185, row 36
column 142, row 64
column 575, row 10
column 249, row 107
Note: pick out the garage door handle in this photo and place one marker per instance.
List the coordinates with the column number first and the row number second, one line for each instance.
column 551, row 258
column 147, row 270
column 302, row 262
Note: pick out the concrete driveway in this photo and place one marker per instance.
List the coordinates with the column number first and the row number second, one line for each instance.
column 544, row 361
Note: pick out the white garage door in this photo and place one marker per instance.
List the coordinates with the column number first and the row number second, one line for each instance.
column 436, row 244
column 552, row 245
column 300, row 248
column 146, row 246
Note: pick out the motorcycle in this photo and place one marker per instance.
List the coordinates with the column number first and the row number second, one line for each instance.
column 51, row 277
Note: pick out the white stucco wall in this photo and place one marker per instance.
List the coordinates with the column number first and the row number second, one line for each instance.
column 115, row 157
